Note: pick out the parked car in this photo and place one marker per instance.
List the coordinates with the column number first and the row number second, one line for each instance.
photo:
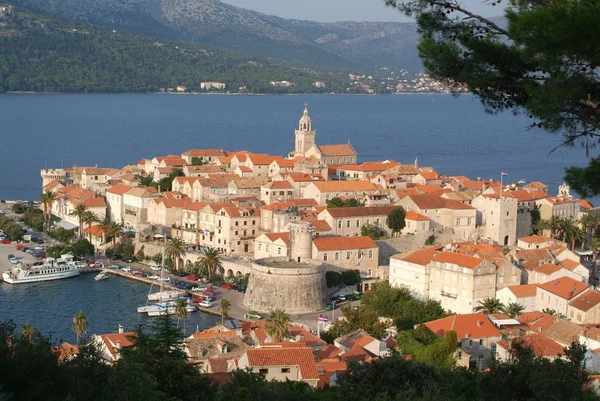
column 353, row 297
column 252, row 315
column 240, row 288
column 209, row 298
column 192, row 277
column 227, row 286
column 205, row 304
column 154, row 277
column 329, row 306
column 217, row 283
column 209, row 292
column 200, row 288
column 198, row 300
column 10, row 256
column 115, row 266
column 127, row 269
column 5, row 241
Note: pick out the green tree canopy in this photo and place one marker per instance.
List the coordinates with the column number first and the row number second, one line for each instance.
column 543, row 63
column 395, row 220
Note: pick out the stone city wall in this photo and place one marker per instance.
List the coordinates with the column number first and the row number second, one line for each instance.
column 392, row 246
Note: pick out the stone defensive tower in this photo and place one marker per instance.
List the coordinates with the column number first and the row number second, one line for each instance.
column 300, row 241
column 295, row 283
column 48, row 175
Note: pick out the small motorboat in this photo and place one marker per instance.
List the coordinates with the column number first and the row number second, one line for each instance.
column 101, row 276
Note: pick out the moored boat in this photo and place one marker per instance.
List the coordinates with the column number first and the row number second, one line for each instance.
column 52, row 269
column 101, row 276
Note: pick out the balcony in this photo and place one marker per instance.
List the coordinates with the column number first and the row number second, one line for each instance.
column 448, row 294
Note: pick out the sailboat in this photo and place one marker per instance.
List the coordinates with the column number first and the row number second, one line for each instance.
column 166, row 304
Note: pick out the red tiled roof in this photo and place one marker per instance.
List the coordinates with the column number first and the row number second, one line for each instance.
column 536, row 320
column 206, row 334
column 472, row 325
column 368, row 166
column 300, row 356
column 245, row 169
column 420, row 256
column 95, row 230
column 569, row 264
column 320, row 225
column 534, row 239
column 587, row 301
column 415, row 217
column 538, row 343
column 110, row 340
column 330, row 351
column 357, row 354
column 432, row 175
column 343, row 243
column 437, row 202
column 204, row 152
column 66, row 350
column 526, row 290
column 279, row 185
column 585, row 204
column 470, row 262
column 547, row 268
column 285, row 237
column 565, row 287
column 306, row 337
column 337, row 150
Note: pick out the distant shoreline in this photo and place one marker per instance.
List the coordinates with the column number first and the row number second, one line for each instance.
column 227, row 94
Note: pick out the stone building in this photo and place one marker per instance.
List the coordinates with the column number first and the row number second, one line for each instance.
column 348, row 221
column 557, row 294
column 497, row 218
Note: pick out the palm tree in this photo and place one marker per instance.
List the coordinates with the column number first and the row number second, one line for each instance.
column 278, row 327
column 114, row 231
column 542, row 225
column 27, row 332
column 80, row 324
column 489, row 306
column 180, row 310
column 47, row 200
column 569, row 231
column 105, row 227
column 89, row 218
column 549, row 311
column 554, row 226
column 175, row 250
column 594, row 246
column 224, row 308
column 78, row 212
column 211, row 259
column 513, row 309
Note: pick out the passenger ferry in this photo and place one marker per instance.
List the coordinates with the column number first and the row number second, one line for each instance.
column 52, row 269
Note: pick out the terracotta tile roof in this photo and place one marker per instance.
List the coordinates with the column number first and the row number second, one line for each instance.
column 320, row 225
column 536, row 185
column 534, row 239
column 301, row 356
column 377, row 166
column 489, row 252
column 302, row 177
column 183, row 180
column 99, row 171
column 95, row 230
column 570, row 264
column 431, row 175
column 244, row 169
column 330, row 351
column 587, row 301
column 206, row 334
column 536, row 320
column 142, row 192
column 66, row 350
column 357, row 354
column 249, row 182
column 420, row 257
column 547, row 268
column 538, row 343
column 344, row 186
column 284, row 163
column 195, row 206
column 337, row 150
column 343, row 243
column 585, row 204
column 263, row 159
column 51, row 185
column 110, row 341
column 285, row 237
column 204, row 152
column 526, row 290
column 426, row 202
column 533, row 258
column 469, row 262
column 174, row 162
column 565, row 287
column 413, row 216
column 564, row 332
column 338, row 212
column 305, row 336
column 221, row 379
column 94, row 201
column 472, row 325
column 278, row 185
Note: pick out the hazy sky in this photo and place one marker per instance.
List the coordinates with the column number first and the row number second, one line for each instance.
column 341, row 10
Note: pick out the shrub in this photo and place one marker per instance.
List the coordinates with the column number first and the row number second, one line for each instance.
column 430, row 240
column 333, row 279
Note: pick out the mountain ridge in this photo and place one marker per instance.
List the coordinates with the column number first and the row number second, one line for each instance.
column 345, row 44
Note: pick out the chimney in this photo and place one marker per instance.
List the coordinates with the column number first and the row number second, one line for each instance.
column 479, row 323
column 118, row 345
column 120, row 329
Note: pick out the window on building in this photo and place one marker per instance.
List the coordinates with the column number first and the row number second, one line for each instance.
column 578, row 317
column 493, row 347
column 357, row 223
column 337, row 256
column 325, row 257
column 348, row 255
column 348, row 224
column 480, row 342
column 285, row 370
column 267, row 248
column 245, row 223
column 469, row 221
column 340, row 224
column 259, row 246
column 236, row 233
column 371, row 254
column 265, row 371
column 278, row 250
column 470, row 343
column 253, row 222
column 237, row 223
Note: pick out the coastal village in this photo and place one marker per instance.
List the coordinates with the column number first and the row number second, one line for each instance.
column 285, row 221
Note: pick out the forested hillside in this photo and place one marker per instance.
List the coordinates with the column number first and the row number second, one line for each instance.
column 44, row 54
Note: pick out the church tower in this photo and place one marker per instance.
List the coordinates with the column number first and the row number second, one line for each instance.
column 305, row 136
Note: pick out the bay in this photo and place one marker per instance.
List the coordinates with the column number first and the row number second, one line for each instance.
column 50, row 306
column 452, row 134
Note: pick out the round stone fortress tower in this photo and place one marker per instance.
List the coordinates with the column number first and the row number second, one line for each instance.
column 295, row 283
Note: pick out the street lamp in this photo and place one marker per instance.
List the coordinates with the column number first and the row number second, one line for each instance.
column 333, row 311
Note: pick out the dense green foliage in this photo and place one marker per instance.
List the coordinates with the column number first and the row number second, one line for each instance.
column 34, row 218
column 424, row 346
column 62, row 234
column 80, row 248
column 338, row 202
column 11, row 228
column 19, row 208
column 395, row 220
column 544, row 64
column 372, row 230
column 348, row 277
column 156, row 368
column 122, row 249
column 430, row 240
column 46, row 55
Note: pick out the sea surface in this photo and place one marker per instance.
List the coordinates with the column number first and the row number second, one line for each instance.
column 452, row 134
column 50, row 306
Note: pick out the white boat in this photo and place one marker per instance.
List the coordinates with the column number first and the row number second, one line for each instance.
column 101, row 276
column 52, row 269
column 161, row 308
column 165, row 295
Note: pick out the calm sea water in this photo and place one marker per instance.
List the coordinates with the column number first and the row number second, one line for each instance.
column 50, row 306
column 452, row 134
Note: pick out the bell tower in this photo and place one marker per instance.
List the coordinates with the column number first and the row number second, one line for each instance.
column 305, row 136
